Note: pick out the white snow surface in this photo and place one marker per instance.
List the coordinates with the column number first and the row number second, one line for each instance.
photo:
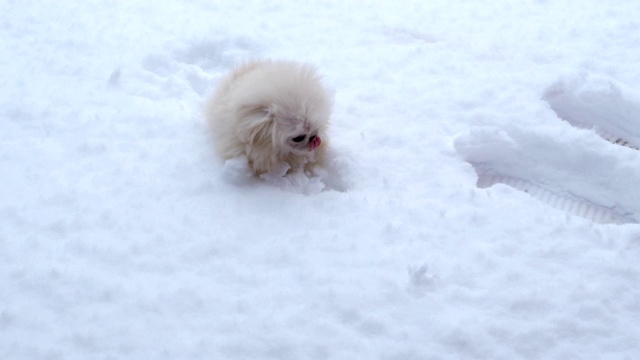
column 124, row 236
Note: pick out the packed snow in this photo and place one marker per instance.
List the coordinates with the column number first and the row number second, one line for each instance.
column 482, row 200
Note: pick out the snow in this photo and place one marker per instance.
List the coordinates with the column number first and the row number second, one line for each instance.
column 481, row 200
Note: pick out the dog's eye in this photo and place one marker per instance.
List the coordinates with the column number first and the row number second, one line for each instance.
column 299, row 138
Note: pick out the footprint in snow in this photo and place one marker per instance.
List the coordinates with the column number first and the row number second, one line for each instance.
column 573, row 171
column 195, row 65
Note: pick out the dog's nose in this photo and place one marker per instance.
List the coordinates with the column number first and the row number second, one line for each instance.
column 312, row 138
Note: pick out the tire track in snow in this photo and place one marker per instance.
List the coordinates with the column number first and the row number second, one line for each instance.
column 573, row 205
column 562, row 172
column 587, row 101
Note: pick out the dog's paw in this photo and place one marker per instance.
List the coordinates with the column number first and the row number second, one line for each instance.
column 278, row 172
column 295, row 180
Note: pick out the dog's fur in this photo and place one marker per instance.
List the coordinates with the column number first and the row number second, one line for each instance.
column 261, row 107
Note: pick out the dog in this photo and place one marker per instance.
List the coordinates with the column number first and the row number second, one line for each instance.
column 273, row 113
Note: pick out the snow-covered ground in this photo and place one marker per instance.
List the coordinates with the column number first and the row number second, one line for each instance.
column 482, row 202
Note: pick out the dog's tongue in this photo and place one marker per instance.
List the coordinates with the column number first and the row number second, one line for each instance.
column 315, row 143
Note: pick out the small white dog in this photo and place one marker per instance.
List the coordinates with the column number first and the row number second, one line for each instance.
column 272, row 112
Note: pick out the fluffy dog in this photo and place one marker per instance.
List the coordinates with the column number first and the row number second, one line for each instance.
column 272, row 112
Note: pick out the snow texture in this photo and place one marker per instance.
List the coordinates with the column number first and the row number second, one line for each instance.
column 481, row 199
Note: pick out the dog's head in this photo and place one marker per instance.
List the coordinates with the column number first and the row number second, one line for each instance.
column 293, row 118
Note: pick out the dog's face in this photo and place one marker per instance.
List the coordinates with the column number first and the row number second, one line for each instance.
column 284, row 131
column 298, row 132
column 299, row 135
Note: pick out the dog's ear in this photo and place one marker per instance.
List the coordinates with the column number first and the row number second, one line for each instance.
column 258, row 123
